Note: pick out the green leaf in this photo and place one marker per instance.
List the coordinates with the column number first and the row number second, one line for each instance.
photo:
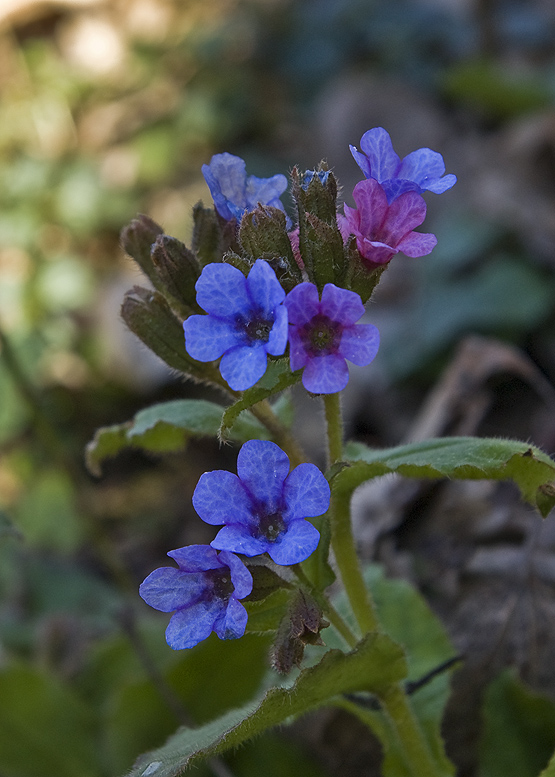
column 519, row 730
column 45, row 730
column 265, row 615
column 167, row 427
column 463, row 458
column 276, row 378
column 375, row 663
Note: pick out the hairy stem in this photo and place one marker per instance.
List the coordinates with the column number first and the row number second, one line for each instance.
column 418, row 757
column 263, row 411
column 342, row 539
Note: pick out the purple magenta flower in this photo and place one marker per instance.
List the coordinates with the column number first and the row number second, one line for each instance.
column 234, row 193
column 419, row 171
column 246, row 321
column 323, row 334
column 264, row 506
column 383, row 230
column 203, row 592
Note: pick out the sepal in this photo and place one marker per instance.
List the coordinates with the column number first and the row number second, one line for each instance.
column 208, row 239
column 300, row 626
column 137, row 239
column 148, row 315
column 320, row 241
column 178, row 270
column 263, row 235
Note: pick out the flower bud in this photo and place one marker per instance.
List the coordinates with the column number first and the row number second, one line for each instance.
column 178, row 269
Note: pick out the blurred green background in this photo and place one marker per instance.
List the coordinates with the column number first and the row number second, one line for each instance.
column 109, row 109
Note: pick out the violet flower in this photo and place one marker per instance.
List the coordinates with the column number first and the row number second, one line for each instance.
column 383, row 230
column 323, row 334
column 419, row 171
column 203, row 591
column 234, row 193
column 246, row 321
column 264, row 506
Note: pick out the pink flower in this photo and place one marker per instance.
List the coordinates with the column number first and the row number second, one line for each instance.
column 383, row 230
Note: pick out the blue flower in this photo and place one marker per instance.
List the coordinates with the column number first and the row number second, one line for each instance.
column 246, row 321
column 234, row 193
column 323, row 334
column 264, row 506
column 203, row 592
column 419, row 171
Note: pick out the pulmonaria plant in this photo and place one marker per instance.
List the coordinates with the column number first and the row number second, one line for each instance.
column 264, row 506
column 234, row 193
column 323, row 335
column 246, row 321
column 297, row 295
column 203, row 593
column 420, row 171
column 382, row 229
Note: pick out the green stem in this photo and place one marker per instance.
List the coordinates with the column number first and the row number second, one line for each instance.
column 327, row 607
column 334, row 423
column 263, row 411
column 342, row 540
column 417, row 754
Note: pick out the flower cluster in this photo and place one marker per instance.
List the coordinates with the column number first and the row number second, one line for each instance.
column 249, row 317
column 263, row 509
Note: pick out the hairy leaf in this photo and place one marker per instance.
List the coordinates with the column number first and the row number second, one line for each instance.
column 167, row 427
column 375, row 663
column 462, row 458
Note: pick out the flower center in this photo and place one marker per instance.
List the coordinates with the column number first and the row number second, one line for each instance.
column 221, row 581
column 271, row 526
column 259, row 329
column 321, row 335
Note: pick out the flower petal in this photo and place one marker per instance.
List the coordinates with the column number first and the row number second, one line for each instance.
column 302, row 303
column 378, row 149
column 220, row 497
column 196, row 558
column 405, row 213
column 394, row 187
column 222, row 291
column 265, row 190
column 241, row 367
column 360, row 343
column 226, row 176
column 298, row 355
column 190, row 626
column 306, row 493
column 422, row 164
column 296, row 544
column 341, row 305
column 169, row 589
column 237, row 538
column 326, row 374
column 277, row 341
column 262, row 468
column 371, row 201
column 240, row 575
column 417, row 243
column 208, row 337
column 232, row 621
column 442, row 184
column 263, row 288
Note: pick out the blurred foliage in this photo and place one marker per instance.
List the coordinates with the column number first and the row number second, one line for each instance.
column 109, row 109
